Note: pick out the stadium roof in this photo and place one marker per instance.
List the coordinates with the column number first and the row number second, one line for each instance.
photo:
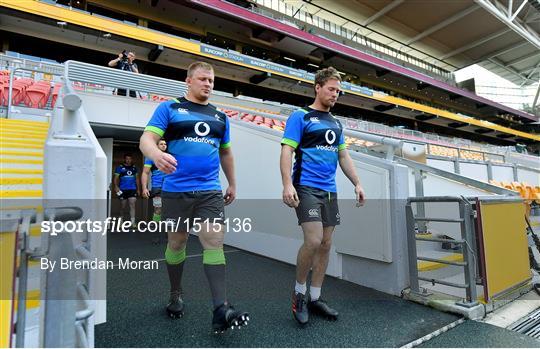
column 503, row 36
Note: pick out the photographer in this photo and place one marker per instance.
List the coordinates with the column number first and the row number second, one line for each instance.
column 125, row 61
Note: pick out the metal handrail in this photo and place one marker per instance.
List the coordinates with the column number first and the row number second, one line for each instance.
column 468, row 240
column 456, row 177
column 90, row 73
column 85, row 296
column 29, row 216
column 12, row 78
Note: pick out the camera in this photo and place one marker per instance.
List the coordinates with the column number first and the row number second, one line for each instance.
column 124, row 54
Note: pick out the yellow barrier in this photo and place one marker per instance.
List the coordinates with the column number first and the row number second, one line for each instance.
column 7, row 270
column 505, row 247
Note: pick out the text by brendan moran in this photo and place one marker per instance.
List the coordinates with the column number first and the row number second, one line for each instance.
column 96, row 264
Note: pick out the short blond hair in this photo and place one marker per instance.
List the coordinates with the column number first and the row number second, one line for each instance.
column 323, row 75
column 198, row 65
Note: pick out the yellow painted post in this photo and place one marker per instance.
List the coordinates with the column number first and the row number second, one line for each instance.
column 8, row 240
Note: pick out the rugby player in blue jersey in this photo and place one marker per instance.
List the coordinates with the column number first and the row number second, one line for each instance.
column 126, row 184
column 197, row 136
column 316, row 139
column 157, row 182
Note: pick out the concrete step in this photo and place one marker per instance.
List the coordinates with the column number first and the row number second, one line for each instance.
column 20, row 153
column 10, row 146
column 17, row 160
column 5, row 133
column 21, row 172
column 22, row 127
column 23, row 122
column 19, row 187
column 20, row 194
column 21, row 140
column 41, row 117
column 20, row 180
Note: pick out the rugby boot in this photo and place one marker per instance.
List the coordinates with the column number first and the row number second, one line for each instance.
column 299, row 308
column 321, row 308
column 175, row 308
column 225, row 317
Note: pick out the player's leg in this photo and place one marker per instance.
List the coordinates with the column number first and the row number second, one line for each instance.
column 132, row 201
column 175, row 211
column 331, row 218
column 210, row 209
column 310, row 219
column 123, row 206
column 156, row 203
column 313, row 233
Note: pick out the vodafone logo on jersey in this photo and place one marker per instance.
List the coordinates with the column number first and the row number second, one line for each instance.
column 202, row 129
column 330, row 137
column 205, row 129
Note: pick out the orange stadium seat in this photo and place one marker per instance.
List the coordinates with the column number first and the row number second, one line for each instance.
column 37, row 95
column 248, row 117
column 520, row 189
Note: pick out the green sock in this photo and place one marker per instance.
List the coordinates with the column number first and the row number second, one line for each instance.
column 156, row 217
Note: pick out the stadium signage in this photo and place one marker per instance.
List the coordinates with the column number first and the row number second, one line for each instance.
column 276, row 68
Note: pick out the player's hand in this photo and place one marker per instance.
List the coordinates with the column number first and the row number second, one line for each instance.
column 360, row 195
column 290, row 197
column 165, row 162
column 146, row 193
column 230, row 195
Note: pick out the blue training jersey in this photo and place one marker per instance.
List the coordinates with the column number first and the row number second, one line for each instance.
column 317, row 137
column 157, row 175
column 128, row 179
column 194, row 134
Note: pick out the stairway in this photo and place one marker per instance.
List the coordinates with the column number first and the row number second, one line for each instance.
column 21, row 180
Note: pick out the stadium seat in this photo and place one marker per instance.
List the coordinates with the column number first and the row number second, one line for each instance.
column 248, row 117
column 520, row 189
column 494, row 182
column 37, row 95
column 17, row 92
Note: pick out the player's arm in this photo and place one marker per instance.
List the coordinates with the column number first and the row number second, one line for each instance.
column 291, row 139
column 347, row 166
column 116, row 182
column 290, row 197
column 138, row 184
column 153, row 132
column 144, row 180
column 226, row 159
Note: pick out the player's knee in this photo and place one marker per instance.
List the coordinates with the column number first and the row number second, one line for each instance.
column 178, row 243
column 312, row 244
column 214, row 241
column 325, row 245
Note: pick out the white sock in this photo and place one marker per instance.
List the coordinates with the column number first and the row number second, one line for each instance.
column 314, row 293
column 300, row 288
